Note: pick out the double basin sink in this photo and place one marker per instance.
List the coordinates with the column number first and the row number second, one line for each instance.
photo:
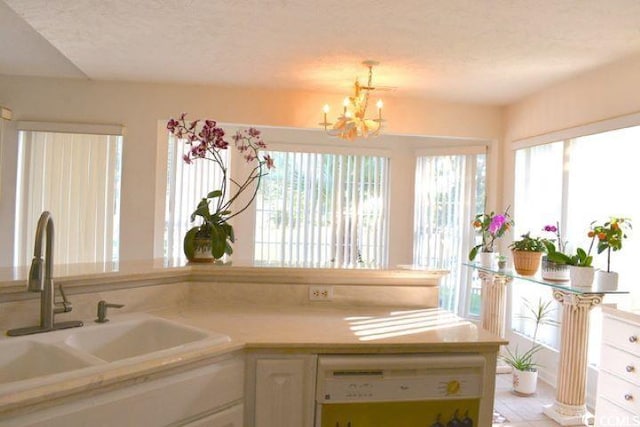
column 130, row 337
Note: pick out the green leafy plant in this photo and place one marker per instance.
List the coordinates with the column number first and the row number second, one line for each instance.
column 214, row 229
column 530, row 244
column 610, row 236
column 541, row 315
column 581, row 258
column 490, row 226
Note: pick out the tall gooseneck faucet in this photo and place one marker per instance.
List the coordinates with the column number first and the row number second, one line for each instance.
column 43, row 283
column 38, row 283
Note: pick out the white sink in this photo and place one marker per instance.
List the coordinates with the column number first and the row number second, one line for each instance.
column 61, row 353
column 21, row 360
column 122, row 340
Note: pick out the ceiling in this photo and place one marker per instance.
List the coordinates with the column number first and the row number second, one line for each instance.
column 477, row 51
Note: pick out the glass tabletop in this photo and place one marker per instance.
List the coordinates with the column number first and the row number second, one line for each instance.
column 563, row 286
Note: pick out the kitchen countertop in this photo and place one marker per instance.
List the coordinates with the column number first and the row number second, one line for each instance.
column 91, row 278
column 256, row 328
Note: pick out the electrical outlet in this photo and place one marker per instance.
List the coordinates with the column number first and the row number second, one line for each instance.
column 320, row 293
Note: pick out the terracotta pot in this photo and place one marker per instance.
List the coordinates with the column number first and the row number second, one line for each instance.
column 581, row 277
column 526, row 263
column 525, row 382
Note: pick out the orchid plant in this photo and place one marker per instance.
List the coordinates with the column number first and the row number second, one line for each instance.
column 205, row 140
column 491, row 226
column 554, row 229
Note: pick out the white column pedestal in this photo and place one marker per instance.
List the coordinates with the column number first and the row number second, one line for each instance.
column 493, row 307
column 569, row 408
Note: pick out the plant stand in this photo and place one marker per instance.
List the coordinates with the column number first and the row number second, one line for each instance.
column 493, row 308
column 569, row 407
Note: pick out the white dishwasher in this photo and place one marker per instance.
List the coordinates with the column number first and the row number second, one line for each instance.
column 399, row 390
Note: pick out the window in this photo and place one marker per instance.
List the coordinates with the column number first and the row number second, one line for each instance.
column 187, row 184
column 76, row 177
column 577, row 181
column 323, row 210
column 449, row 191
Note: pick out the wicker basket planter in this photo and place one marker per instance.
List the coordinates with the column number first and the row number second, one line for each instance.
column 526, row 263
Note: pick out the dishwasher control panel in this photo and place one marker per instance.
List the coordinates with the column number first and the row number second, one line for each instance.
column 344, row 379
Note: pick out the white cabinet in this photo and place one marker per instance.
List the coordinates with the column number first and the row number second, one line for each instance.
column 231, row 417
column 193, row 396
column 618, row 400
column 280, row 390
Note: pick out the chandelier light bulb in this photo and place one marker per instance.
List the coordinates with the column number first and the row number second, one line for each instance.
column 353, row 123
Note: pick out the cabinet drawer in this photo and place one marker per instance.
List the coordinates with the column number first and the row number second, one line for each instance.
column 620, row 392
column 608, row 415
column 621, row 363
column 622, row 335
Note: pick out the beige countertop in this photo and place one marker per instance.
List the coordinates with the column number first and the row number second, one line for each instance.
column 259, row 328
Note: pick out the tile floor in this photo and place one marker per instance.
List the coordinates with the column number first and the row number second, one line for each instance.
column 523, row 411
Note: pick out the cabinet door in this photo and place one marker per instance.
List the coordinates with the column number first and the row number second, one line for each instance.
column 285, row 392
column 231, row 417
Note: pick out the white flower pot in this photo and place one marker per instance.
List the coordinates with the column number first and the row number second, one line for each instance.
column 488, row 260
column 553, row 271
column 525, row 382
column 607, row 280
column 581, row 277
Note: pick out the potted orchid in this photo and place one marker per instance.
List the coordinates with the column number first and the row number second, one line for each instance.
column 490, row 226
column 610, row 236
column 212, row 238
column 551, row 270
column 581, row 272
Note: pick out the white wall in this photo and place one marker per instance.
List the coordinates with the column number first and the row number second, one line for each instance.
column 605, row 93
column 139, row 106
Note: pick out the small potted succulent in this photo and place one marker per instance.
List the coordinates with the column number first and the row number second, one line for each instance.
column 610, row 236
column 527, row 253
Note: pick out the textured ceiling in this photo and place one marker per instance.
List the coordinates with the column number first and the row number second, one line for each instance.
column 479, row 51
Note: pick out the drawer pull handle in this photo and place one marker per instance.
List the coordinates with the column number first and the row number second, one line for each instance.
column 629, row 368
column 633, row 338
column 628, row 397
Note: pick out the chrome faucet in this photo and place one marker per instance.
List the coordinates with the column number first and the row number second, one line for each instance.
column 43, row 283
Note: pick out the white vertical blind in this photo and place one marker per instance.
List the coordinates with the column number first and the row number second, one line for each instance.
column 323, row 210
column 187, row 184
column 447, row 188
column 76, row 177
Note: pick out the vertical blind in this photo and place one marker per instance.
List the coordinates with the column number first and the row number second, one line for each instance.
column 323, row 210
column 76, row 177
column 187, row 184
column 447, row 188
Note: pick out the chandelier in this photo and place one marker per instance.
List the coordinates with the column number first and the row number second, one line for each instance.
column 353, row 122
